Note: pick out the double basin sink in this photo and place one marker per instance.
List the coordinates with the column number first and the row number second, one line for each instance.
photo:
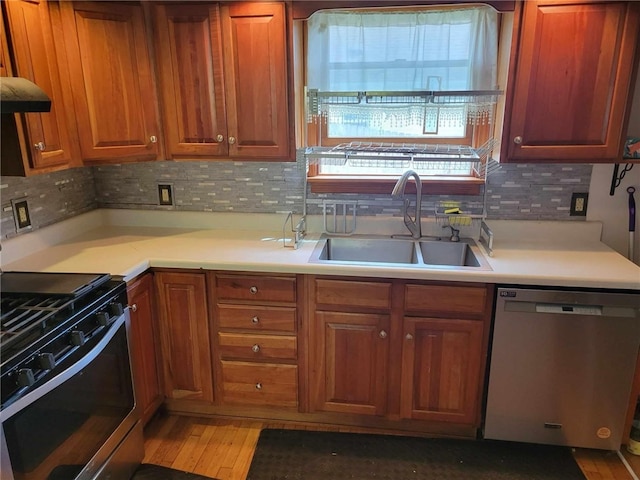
column 403, row 252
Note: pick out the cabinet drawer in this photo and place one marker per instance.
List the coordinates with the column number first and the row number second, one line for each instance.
column 441, row 299
column 268, row 384
column 256, row 288
column 353, row 294
column 247, row 317
column 254, row 347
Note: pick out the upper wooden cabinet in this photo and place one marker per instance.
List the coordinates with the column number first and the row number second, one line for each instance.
column 112, row 81
column 570, row 81
column 47, row 141
column 225, row 80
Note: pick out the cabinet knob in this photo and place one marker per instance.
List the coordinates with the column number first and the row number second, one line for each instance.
column 219, row 138
column 40, row 146
column 153, row 139
column 517, row 140
column 255, row 320
column 258, row 386
column 382, row 334
column 232, row 140
column 134, row 307
column 255, row 348
column 253, row 290
column 408, row 336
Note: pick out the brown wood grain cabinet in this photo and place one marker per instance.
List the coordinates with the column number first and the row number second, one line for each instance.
column 444, row 351
column 48, row 140
column 349, row 345
column 143, row 339
column 256, row 340
column 398, row 349
column 224, row 76
column 184, row 335
column 112, row 81
column 570, row 81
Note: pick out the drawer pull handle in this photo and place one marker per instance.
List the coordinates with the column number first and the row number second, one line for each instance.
column 408, row 336
column 255, row 348
column 134, row 307
column 40, row 146
column 382, row 334
column 255, row 320
column 258, row 386
column 517, row 140
column 253, row 290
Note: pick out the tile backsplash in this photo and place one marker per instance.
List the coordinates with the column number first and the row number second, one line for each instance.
column 537, row 192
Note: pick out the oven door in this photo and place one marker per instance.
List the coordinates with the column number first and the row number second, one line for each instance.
column 69, row 427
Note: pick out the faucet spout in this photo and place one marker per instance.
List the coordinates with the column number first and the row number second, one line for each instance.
column 412, row 224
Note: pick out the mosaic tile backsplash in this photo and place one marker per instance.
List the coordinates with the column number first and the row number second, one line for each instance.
column 535, row 192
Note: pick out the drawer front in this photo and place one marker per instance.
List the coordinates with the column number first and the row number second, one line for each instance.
column 256, row 288
column 268, row 384
column 259, row 318
column 341, row 293
column 440, row 299
column 255, row 347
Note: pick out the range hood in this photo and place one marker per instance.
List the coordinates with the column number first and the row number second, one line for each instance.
column 19, row 95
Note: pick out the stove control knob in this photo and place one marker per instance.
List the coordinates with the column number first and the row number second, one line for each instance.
column 77, row 338
column 46, row 361
column 102, row 319
column 115, row 309
column 25, row 377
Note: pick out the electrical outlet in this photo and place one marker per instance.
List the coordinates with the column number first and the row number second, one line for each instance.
column 21, row 215
column 165, row 194
column 579, row 204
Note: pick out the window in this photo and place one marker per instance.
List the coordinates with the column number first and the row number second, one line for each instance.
column 385, row 52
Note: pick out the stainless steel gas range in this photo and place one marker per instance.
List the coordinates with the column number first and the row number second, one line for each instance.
column 68, row 408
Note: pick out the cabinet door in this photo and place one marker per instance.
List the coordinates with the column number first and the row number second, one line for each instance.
column 189, row 56
column 570, row 81
column 34, row 28
column 143, row 346
column 184, row 335
column 112, row 80
column 349, row 362
column 441, row 362
column 256, row 80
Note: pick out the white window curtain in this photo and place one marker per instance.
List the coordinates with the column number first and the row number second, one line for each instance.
column 452, row 49
column 391, row 51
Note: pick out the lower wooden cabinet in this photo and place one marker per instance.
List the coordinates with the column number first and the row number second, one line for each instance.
column 441, row 369
column 256, row 340
column 397, row 349
column 184, row 335
column 143, row 335
column 349, row 364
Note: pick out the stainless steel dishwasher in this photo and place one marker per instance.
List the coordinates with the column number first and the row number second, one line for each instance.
column 562, row 366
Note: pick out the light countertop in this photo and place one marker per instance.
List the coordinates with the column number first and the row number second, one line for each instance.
column 128, row 242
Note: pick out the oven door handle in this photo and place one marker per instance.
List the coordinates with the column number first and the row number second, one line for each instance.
column 65, row 375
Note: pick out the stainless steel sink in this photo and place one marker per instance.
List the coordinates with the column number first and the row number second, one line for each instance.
column 403, row 252
column 457, row 254
column 385, row 250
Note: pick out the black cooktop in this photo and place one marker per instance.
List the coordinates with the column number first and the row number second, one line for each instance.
column 50, row 283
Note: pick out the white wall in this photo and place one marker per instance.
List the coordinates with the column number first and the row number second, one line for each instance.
column 613, row 211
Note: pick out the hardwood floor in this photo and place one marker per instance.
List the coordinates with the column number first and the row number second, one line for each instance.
column 223, row 448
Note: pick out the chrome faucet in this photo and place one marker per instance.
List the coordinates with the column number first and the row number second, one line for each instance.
column 413, row 224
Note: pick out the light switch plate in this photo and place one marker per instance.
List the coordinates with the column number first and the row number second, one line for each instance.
column 21, row 215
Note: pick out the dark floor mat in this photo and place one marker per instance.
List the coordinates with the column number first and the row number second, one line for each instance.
column 305, row 455
column 147, row 471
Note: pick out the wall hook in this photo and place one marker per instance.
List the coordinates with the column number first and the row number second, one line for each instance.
column 618, row 175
